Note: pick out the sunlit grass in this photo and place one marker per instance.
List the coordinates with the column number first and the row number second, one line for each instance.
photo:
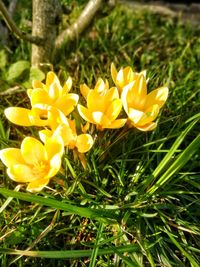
column 137, row 202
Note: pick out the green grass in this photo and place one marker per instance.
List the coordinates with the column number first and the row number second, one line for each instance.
column 137, row 203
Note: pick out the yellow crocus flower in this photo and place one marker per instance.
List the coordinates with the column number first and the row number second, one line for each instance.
column 67, row 131
column 53, row 94
column 142, row 108
column 40, row 115
column 103, row 106
column 51, row 117
column 124, row 76
column 34, row 163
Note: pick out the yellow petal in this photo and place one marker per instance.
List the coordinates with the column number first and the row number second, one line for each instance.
column 55, row 118
column 128, row 75
column 113, row 72
column 144, row 73
column 67, row 103
column 37, row 185
column 53, row 146
column 101, row 86
column 51, row 78
column 111, row 94
column 11, row 156
column 84, row 142
column 116, row 124
column 135, row 115
column 124, row 76
column 19, row 116
column 120, row 79
column 106, row 85
column 72, row 125
column 114, row 109
column 127, row 96
column 98, row 117
column 45, row 115
column 67, row 86
column 84, row 90
column 95, row 102
column 149, row 115
column 38, row 117
column 37, row 84
column 29, row 92
column 85, row 113
column 55, row 91
column 158, row 96
column 21, row 173
column 101, row 119
column 39, row 96
column 147, row 127
column 45, row 135
column 139, row 93
column 66, row 133
column 55, row 164
column 85, row 128
column 33, row 150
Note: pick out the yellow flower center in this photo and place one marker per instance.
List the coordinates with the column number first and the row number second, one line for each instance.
column 43, row 115
column 40, row 169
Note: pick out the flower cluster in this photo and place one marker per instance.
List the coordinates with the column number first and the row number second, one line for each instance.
column 52, row 107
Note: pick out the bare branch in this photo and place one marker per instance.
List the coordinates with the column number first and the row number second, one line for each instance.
column 12, row 26
column 12, row 7
column 83, row 21
column 12, row 90
column 3, row 29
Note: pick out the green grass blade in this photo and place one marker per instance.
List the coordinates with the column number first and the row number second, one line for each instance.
column 171, row 152
column 96, row 249
column 182, row 159
column 98, row 214
column 125, row 259
column 9, row 199
column 68, row 254
column 186, row 254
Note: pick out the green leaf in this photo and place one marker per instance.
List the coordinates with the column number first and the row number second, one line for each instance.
column 16, row 70
column 34, row 74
